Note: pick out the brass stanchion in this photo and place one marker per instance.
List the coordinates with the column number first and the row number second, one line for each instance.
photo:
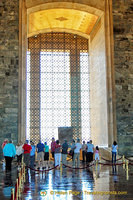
column 127, row 162
column 123, row 160
column 61, row 168
column 12, row 194
column 24, row 173
column 17, row 189
column 127, row 169
column 19, row 186
column 127, row 176
column 96, row 169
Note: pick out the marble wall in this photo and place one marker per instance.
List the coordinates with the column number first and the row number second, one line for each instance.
column 9, row 66
column 123, row 61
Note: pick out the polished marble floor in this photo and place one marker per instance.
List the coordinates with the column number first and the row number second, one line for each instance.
column 98, row 182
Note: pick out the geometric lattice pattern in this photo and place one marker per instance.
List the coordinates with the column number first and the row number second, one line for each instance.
column 57, row 86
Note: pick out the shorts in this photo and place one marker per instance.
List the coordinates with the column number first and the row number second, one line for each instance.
column 96, row 156
column 40, row 156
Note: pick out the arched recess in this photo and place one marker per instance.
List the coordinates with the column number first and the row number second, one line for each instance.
column 103, row 125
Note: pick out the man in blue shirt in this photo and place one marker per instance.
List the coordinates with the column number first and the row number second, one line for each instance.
column 40, row 153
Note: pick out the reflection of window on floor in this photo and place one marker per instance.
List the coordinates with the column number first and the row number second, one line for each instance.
column 55, row 91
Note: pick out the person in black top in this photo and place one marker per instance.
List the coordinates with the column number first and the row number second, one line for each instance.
column 64, row 152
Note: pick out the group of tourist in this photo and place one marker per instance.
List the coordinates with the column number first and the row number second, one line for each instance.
column 58, row 151
column 87, row 152
column 28, row 151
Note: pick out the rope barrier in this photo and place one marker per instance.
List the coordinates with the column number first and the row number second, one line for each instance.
column 130, row 163
column 78, row 167
column 129, row 159
column 111, row 160
column 110, row 164
column 45, row 170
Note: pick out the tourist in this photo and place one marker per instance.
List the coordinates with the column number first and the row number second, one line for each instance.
column 90, row 150
column 46, row 155
column 40, row 153
column 64, row 152
column 72, row 149
column 32, row 155
column 19, row 153
column 9, row 153
column 27, row 148
column 57, row 154
column 97, row 154
column 84, row 148
column 53, row 144
column 77, row 149
column 114, row 151
column 4, row 143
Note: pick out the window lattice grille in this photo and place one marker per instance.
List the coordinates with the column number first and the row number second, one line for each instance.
column 57, row 86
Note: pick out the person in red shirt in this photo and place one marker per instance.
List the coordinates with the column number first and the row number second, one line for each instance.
column 57, row 155
column 4, row 143
column 53, row 144
column 27, row 148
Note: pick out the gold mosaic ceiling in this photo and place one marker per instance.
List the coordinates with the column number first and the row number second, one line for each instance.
column 61, row 20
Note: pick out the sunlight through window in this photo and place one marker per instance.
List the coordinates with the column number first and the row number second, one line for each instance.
column 54, row 93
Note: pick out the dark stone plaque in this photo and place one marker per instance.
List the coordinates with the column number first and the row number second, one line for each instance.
column 65, row 133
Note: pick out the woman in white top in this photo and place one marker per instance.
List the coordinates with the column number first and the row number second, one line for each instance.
column 114, row 151
column 19, row 152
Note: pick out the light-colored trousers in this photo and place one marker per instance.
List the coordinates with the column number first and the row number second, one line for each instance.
column 76, row 156
column 57, row 158
column 64, row 157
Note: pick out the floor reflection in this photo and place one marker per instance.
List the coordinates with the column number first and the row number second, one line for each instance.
column 8, row 184
column 96, row 182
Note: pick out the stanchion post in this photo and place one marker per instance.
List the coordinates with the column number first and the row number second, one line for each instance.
column 24, row 173
column 17, row 190
column 12, row 194
column 123, row 160
column 19, row 186
column 127, row 176
column 127, row 162
column 61, row 168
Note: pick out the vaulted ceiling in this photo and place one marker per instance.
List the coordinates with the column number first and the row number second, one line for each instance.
column 60, row 19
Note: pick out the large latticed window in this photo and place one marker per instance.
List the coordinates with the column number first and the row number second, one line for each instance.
column 57, row 86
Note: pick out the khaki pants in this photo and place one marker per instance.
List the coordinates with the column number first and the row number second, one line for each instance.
column 76, row 156
column 64, row 157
